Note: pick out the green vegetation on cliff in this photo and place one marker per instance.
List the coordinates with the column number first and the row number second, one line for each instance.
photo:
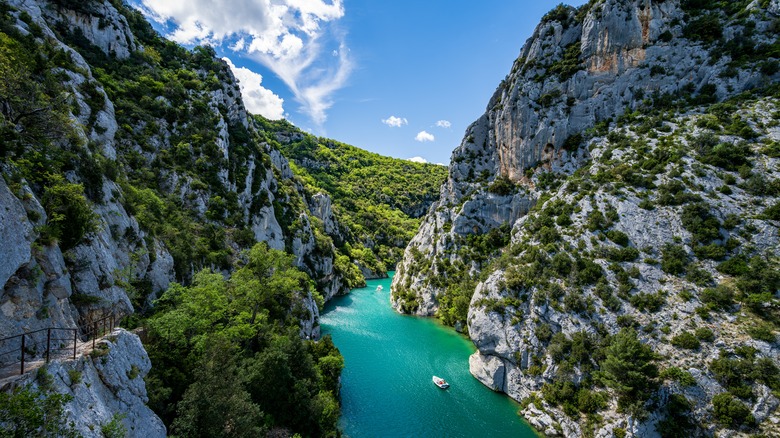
column 227, row 353
column 379, row 200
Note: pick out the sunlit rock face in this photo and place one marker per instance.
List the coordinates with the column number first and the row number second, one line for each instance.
column 547, row 155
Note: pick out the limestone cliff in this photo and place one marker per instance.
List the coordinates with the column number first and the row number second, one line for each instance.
column 105, row 386
column 122, row 263
column 628, row 151
column 579, row 68
column 137, row 170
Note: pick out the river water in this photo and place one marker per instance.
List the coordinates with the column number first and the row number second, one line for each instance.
column 389, row 361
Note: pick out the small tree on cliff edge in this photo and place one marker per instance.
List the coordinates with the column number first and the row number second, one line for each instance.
column 628, row 369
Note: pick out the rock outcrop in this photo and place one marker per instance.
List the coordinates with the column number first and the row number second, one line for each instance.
column 607, row 58
column 106, row 385
column 106, row 267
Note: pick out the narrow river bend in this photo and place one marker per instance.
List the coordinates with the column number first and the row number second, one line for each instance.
column 389, row 360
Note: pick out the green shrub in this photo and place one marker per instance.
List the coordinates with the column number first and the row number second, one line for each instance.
column 70, row 216
column 679, row 418
column 673, row 193
column 29, row 412
column 729, row 156
column 133, row 372
column 618, row 237
column 569, row 64
column 79, row 299
column 736, row 266
column 674, row 259
column 738, row 372
column 697, row 219
column 559, row 392
column 618, row 255
column 548, row 99
column 590, row 402
column 651, row 302
column 588, row 271
column 574, row 302
column 731, row 412
column 762, row 331
column 627, row 321
column 114, row 428
column 628, row 367
column 705, row 334
column 596, row 221
column 720, row 296
column 711, row 251
column 706, row 28
column 502, row 186
column 686, row 340
column 698, row 276
column 74, row 376
column 772, row 212
column 544, row 332
column 684, row 378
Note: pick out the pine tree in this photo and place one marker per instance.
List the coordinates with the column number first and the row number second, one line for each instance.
column 628, row 368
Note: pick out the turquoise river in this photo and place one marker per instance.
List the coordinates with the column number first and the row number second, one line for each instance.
column 389, row 361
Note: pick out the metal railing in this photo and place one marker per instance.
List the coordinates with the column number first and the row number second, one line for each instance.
column 52, row 343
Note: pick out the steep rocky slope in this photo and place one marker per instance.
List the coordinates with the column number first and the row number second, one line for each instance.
column 640, row 209
column 129, row 163
column 106, row 388
column 175, row 181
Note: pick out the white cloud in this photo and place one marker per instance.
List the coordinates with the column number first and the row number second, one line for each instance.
column 424, row 136
column 418, row 160
column 239, row 45
column 443, row 124
column 292, row 38
column 258, row 99
column 395, row 122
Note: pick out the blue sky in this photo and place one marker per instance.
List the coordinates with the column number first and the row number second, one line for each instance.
column 402, row 78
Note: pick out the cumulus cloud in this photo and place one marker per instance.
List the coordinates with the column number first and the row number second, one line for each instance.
column 424, row 136
column 443, row 124
column 395, row 122
column 418, row 160
column 292, row 38
column 258, row 99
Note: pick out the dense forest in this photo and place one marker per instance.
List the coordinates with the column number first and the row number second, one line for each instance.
column 228, row 355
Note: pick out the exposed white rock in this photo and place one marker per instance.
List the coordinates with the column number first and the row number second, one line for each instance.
column 111, row 386
column 101, row 24
column 16, row 233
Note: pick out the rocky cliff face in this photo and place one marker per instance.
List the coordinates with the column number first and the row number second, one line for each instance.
column 106, row 385
column 174, row 174
column 102, row 268
column 579, row 68
column 605, row 154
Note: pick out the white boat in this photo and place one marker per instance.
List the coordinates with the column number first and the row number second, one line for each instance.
column 441, row 383
column 379, row 288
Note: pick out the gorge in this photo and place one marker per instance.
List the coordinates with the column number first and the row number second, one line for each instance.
column 606, row 235
column 390, row 358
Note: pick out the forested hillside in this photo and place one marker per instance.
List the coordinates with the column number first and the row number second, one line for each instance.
column 378, row 200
